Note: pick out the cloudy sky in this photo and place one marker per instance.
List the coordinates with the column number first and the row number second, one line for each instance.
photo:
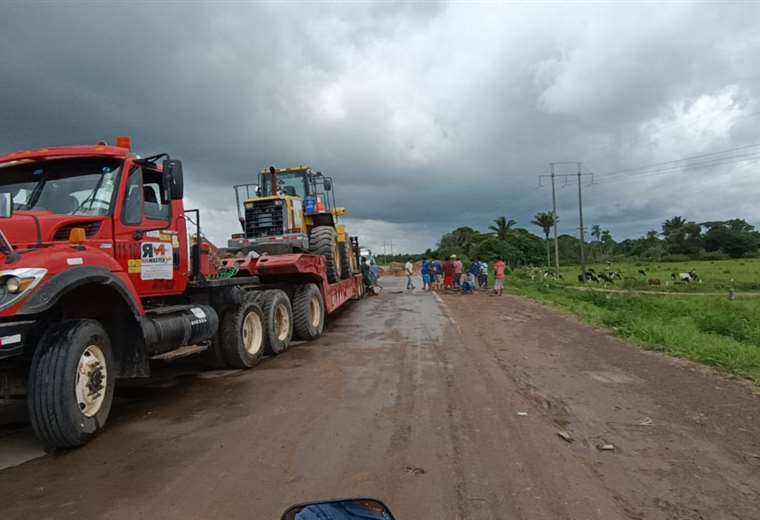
column 428, row 115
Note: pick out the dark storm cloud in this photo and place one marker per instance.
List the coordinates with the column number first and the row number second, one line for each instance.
column 428, row 115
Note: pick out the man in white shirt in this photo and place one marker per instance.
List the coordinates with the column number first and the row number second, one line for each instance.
column 409, row 270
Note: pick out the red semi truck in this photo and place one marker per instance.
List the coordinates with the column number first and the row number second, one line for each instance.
column 103, row 269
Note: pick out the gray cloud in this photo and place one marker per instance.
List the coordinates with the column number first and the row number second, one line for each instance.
column 429, row 115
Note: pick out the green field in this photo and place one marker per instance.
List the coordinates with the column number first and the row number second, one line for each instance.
column 707, row 329
column 716, row 276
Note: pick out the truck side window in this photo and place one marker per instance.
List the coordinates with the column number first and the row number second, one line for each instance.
column 156, row 205
column 133, row 202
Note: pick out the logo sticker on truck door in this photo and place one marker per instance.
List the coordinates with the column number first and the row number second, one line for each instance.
column 156, row 261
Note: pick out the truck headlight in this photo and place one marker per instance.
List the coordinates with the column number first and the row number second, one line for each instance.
column 14, row 283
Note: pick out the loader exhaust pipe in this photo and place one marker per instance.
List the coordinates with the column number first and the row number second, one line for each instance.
column 273, row 173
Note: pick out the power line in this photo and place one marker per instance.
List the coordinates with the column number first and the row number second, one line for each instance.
column 751, row 157
column 673, row 162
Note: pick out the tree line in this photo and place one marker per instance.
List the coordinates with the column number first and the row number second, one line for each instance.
column 678, row 240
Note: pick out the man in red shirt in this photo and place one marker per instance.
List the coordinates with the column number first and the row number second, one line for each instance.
column 499, row 269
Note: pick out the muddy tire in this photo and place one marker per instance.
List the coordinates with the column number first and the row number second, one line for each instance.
column 308, row 313
column 241, row 335
column 323, row 241
column 278, row 320
column 345, row 260
column 71, row 382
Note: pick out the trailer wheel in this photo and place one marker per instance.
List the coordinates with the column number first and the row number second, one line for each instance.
column 323, row 241
column 71, row 383
column 278, row 320
column 308, row 312
column 242, row 335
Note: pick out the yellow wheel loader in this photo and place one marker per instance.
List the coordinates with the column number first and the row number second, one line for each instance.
column 293, row 210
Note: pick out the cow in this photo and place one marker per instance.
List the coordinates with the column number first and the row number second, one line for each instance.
column 654, row 281
column 642, row 272
column 690, row 277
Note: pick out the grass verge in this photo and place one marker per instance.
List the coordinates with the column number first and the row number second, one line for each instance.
column 712, row 331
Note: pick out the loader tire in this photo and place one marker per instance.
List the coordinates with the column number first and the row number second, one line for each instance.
column 345, row 260
column 241, row 334
column 71, row 382
column 308, row 312
column 323, row 241
column 278, row 320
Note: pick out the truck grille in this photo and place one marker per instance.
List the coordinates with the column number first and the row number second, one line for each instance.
column 265, row 218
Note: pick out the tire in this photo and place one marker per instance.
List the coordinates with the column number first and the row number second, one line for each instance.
column 241, row 334
column 345, row 261
column 308, row 313
column 65, row 409
column 323, row 241
column 278, row 320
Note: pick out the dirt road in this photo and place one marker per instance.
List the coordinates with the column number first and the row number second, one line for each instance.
column 444, row 408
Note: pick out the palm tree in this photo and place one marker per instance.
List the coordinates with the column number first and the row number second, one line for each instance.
column 502, row 226
column 673, row 224
column 546, row 220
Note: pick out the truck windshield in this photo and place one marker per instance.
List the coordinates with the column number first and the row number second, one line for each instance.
column 293, row 184
column 72, row 186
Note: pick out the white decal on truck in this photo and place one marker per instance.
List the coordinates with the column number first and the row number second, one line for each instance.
column 156, row 261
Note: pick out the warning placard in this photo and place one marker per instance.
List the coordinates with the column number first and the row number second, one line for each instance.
column 156, row 261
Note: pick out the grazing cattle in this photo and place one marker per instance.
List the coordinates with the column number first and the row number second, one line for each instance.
column 690, row 277
column 642, row 272
column 654, row 281
column 606, row 277
column 588, row 276
column 615, row 275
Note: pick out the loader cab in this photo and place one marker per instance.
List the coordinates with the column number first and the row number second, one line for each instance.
column 301, row 182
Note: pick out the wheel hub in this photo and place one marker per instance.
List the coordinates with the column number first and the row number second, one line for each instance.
column 315, row 311
column 282, row 322
column 92, row 379
column 253, row 333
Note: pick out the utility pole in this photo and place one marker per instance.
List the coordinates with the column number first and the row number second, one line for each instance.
column 553, row 175
column 580, row 218
column 556, row 219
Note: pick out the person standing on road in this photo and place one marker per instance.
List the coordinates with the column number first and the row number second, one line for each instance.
column 475, row 272
column 409, row 270
column 499, row 270
column 458, row 268
column 448, row 273
column 438, row 273
column 426, row 272
column 483, row 275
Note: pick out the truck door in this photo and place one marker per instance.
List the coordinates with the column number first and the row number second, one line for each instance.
column 146, row 241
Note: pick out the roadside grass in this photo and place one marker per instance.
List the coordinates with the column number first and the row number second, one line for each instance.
column 709, row 330
column 717, row 275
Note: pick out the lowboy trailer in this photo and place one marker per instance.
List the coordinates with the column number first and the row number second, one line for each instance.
column 102, row 269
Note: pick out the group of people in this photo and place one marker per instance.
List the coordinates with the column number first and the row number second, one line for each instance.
column 437, row 275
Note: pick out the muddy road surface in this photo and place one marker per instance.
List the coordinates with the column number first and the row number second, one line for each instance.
column 445, row 407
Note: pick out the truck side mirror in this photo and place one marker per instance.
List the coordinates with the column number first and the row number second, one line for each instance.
column 173, row 179
column 6, row 205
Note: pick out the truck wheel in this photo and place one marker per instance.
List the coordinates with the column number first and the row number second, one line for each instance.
column 278, row 320
column 71, row 383
column 242, row 335
column 308, row 312
column 345, row 261
column 323, row 241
